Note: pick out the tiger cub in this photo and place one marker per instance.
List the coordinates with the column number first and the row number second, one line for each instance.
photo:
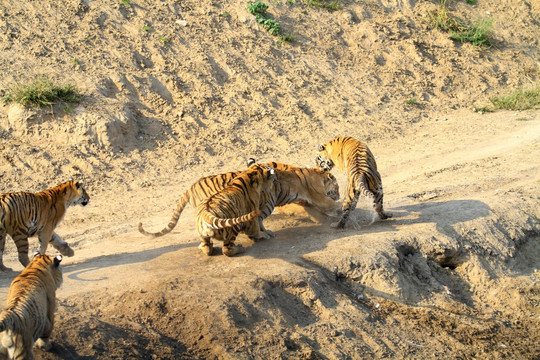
column 355, row 158
column 30, row 307
column 313, row 187
column 233, row 209
column 23, row 215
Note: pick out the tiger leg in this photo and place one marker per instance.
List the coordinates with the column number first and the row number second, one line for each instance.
column 349, row 204
column 378, row 203
column 206, row 245
column 254, row 231
column 61, row 245
column 3, row 234
column 43, row 341
column 229, row 247
column 21, row 241
column 261, row 226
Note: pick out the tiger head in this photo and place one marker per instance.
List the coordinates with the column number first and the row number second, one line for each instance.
column 331, row 186
column 48, row 264
column 76, row 193
column 323, row 158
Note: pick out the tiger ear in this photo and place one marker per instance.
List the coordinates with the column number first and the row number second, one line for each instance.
column 57, row 260
column 251, row 161
column 321, row 147
column 36, row 253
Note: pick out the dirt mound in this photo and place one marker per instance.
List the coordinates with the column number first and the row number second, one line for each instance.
column 176, row 90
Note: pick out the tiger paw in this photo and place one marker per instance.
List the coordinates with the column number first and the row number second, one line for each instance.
column 206, row 249
column 337, row 225
column 44, row 345
column 270, row 233
column 385, row 215
column 233, row 250
column 65, row 250
column 260, row 236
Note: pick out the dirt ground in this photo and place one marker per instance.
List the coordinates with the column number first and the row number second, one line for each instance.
column 177, row 90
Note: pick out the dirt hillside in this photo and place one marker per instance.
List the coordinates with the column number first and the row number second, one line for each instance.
column 177, row 90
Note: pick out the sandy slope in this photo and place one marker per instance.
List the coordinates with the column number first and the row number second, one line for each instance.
column 452, row 275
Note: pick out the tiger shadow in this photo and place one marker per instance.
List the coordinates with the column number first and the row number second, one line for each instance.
column 444, row 214
column 74, row 270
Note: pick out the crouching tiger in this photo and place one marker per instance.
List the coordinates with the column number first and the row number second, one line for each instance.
column 30, row 307
column 355, row 158
column 22, row 215
column 314, row 187
column 233, row 209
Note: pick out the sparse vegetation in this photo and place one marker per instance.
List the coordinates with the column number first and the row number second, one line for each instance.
column 126, row 2
column 164, row 39
column 518, row 100
column 258, row 9
column 328, row 5
column 41, row 92
column 225, row 14
column 476, row 33
column 411, row 102
column 147, row 28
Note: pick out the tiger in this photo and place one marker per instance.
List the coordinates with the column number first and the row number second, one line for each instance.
column 23, row 215
column 233, row 209
column 312, row 187
column 201, row 190
column 355, row 158
column 30, row 307
column 305, row 186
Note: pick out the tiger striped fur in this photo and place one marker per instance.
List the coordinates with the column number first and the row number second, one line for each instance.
column 30, row 307
column 310, row 187
column 197, row 193
column 233, row 209
column 314, row 187
column 22, row 215
column 354, row 158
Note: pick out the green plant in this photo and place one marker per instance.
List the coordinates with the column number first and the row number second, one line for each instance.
column 258, row 9
column 164, row 39
column 518, row 100
column 147, row 28
column 225, row 14
column 476, row 33
column 41, row 92
column 75, row 62
column 328, row 5
column 482, row 109
column 471, row 1
column 412, row 101
column 126, row 2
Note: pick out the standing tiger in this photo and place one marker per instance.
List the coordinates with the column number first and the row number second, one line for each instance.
column 22, row 215
column 235, row 208
column 315, row 187
column 30, row 307
column 355, row 158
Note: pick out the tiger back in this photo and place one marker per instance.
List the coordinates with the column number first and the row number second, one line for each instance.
column 31, row 302
column 233, row 209
column 355, row 159
column 23, row 215
column 201, row 190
